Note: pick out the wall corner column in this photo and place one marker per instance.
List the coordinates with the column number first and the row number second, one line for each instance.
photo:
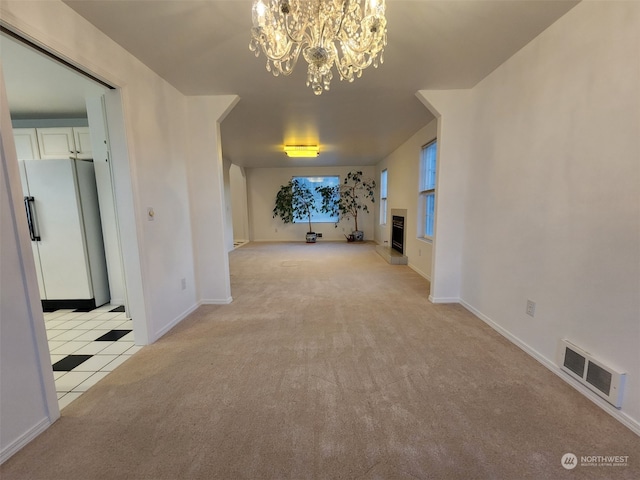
column 207, row 196
column 449, row 107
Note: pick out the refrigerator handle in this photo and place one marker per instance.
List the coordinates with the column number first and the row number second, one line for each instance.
column 30, row 219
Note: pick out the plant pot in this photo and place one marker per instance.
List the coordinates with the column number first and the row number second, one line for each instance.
column 311, row 237
column 358, row 235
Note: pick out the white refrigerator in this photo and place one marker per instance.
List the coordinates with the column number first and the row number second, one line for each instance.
column 62, row 209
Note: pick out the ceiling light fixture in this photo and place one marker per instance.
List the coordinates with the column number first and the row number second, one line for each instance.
column 351, row 34
column 302, row 151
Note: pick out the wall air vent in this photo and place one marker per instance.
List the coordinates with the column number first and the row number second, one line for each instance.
column 603, row 380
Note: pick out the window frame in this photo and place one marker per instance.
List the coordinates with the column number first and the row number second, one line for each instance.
column 427, row 189
column 384, row 174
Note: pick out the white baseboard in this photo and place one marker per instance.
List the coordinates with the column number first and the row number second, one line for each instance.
column 117, row 301
column 302, row 240
column 419, row 272
column 277, row 240
column 433, row 299
column 622, row 417
column 24, row 439
column 189, row 311
column 216, row 301
column 174, row 322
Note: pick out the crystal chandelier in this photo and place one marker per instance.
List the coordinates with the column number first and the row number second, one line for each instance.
column 351, row 34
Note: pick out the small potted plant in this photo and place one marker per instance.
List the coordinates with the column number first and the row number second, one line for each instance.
column 349, row 199
column 295, row 201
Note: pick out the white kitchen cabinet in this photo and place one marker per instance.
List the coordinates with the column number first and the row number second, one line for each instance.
column 82, row 139
column 64, row 142
column 26, row 140
column 56, row 143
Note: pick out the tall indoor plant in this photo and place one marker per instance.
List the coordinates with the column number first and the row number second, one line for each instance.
column 348, row 199
column 295, row 201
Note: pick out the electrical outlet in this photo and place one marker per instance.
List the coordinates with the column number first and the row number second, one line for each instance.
column 531, row 308
column 183, row 283
column 319, row 235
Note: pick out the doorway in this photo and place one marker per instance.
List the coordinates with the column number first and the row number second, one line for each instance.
column 85, row 340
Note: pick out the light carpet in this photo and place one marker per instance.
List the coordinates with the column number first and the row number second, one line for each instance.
column 329, row 364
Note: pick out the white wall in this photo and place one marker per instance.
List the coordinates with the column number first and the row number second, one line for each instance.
column 449, row 227
column 228, row 213
column 263, row 185
column 552, row 207
column 403, row 173
column 240, row 215
column 28, row 402
column 207, row 188
column 158, row 153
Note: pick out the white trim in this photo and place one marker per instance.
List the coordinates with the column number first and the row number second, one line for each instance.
column 188, row 312
column 280, row 240
column 215, row 301
column 175, row 321
column 124, row 177
column 622, row 417
column 420, row 272
column 298, row 240
column 117, row 301
column 433, row 299
column 24, row 439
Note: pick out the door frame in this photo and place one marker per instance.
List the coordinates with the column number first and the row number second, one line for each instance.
column 122, row 185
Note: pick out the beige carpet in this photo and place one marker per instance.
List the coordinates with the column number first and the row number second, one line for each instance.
column 329, row 363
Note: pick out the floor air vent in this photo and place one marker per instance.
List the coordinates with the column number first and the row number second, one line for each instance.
column 605, row 381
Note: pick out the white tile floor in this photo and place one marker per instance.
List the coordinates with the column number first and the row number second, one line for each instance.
column 71, row 332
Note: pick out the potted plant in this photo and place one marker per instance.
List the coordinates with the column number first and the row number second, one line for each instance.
column 349, row 199
column 295, row 201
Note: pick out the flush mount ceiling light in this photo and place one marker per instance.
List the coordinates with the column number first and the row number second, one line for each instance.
column 300, row 151
column 351, row 34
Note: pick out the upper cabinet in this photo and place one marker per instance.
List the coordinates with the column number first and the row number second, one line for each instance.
column 53, row 143
column 26, row 143
column 56, row 143
column 83, row 143
column 64, row 142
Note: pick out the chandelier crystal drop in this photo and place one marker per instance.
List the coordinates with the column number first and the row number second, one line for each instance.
column 350, row 34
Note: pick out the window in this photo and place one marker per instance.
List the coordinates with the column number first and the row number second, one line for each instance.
column 383, row 197
column 311, row 183
column 427, row 189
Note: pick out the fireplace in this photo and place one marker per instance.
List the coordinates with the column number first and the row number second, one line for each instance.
column 394, row 253
column 397, row 234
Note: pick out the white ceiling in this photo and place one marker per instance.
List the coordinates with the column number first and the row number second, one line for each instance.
column 201, row 47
